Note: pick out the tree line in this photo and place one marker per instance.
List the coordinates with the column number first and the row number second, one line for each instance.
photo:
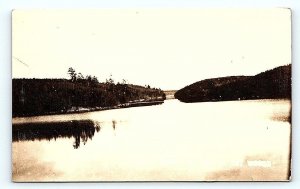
column 271, row 84
column 44, row 96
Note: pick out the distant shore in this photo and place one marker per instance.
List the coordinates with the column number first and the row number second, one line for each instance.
column 92, row 109
column 32, row 97
column 270, row 84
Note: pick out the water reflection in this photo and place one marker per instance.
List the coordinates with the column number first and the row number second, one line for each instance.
column 114, row 122
column 80, row 130
column 199, row 146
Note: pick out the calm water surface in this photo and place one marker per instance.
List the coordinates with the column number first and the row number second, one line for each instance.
column 234, row 140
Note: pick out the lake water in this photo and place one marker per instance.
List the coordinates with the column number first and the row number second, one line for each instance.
column 233, row 140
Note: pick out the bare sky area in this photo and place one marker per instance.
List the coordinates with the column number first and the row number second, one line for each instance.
column 165, row 48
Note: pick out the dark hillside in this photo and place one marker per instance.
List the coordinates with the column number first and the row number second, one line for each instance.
column 44, row 96
column 205, row 90
column 275, row 83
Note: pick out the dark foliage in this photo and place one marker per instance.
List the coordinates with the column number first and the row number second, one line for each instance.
column 45, row 96
column 271, row 84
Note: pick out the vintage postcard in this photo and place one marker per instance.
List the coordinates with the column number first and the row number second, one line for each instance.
column 151, row 95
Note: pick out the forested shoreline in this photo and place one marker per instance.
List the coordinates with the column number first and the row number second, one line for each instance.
column 52, row 96
column 271, row 84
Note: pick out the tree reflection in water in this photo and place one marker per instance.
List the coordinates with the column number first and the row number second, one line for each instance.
column 114, row 122
column 81, row 130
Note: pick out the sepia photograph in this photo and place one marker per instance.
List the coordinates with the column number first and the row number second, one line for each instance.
column 169, row 94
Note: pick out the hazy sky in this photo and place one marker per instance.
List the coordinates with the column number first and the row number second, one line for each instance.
column 165, row 48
